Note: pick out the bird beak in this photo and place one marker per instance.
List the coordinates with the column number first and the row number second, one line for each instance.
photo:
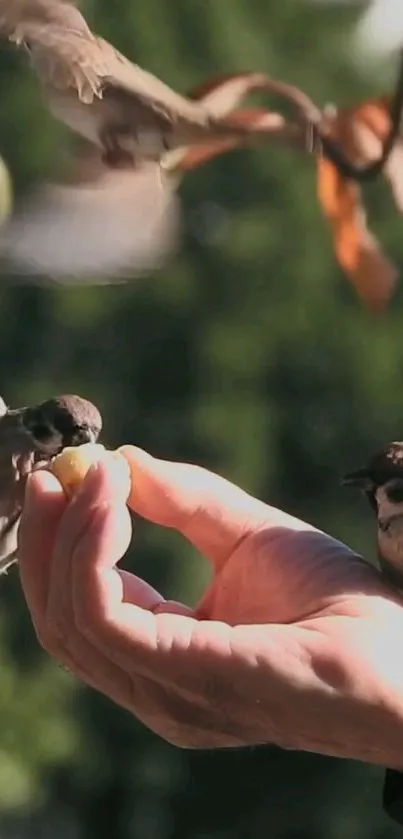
column 360, row 479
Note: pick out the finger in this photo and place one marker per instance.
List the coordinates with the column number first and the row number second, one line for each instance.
column 106, row 538
column 214, row 514
column 101, row 487
column 45, row 503
column 139, row 593
column 85, row 661
column 44, row 509
column 43, row 517
column 112, row 610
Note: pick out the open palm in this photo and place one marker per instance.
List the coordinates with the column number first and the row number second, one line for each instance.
column 292, row 643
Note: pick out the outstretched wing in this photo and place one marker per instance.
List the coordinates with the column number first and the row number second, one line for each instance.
column 64, row 57
column 70, row 56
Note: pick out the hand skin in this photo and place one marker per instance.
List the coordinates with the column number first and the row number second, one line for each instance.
column 296, row 641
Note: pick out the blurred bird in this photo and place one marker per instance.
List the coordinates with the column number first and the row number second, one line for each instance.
column 382, row 482
column 129, row 113
column 119, row 214
column 103, row 224
column 29, row 439
column 94, row 226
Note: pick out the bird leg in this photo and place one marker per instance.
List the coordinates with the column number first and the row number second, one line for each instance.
column 114, row 155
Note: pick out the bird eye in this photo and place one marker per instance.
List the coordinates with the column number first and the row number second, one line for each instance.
column 395, row 494
column 41, row 431
column 79, row 434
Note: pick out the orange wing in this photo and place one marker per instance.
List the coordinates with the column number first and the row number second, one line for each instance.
column 357, row 250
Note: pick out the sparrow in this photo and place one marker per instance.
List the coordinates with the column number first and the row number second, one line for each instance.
column 29, row 439
column 119, row 214
column 104, row 224
column 382, row 482
column 126, row 111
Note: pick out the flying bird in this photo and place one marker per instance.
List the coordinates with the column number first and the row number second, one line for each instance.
column 127, row 112
column 29, row 439
column 117, row 214
column 107, row 225
column 382, row 482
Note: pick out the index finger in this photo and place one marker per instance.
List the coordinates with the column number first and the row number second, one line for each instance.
column 211, row 512
column 45, row 503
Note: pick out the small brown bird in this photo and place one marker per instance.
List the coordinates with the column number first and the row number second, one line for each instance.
column 119, row 215
column 382, row 482
column 127, row 112
column 29, row 439
column 104, row 224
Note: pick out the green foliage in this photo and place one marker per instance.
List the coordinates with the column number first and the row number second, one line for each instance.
column 249, row 354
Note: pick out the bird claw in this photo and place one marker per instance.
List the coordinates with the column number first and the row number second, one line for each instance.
column 115, row 156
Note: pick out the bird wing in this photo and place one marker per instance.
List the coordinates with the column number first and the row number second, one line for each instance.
column 64, row 58
column 14, row 469
column 68, row 57
column 8, row 540
column 149, row 89
column 119, row 224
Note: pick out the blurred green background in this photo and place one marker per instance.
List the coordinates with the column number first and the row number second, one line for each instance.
column 249, row 354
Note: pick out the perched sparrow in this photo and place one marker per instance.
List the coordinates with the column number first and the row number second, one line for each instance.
column 30, row 438
column 382, row 482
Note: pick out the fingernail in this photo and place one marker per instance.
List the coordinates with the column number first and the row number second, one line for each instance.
column 133, row 455
column 37, row 485
column 137, row 461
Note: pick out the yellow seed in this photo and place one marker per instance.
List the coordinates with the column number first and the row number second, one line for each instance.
column 72, row 464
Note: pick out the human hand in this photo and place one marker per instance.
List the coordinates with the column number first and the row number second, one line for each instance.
column 291, row 644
